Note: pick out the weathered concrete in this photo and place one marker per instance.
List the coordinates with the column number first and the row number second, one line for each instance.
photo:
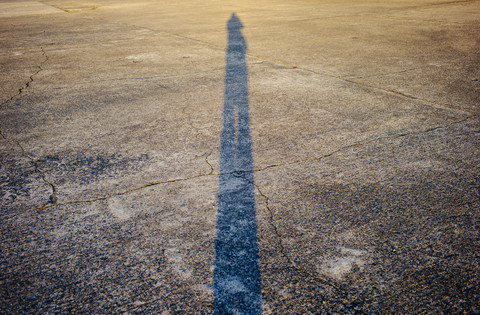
column 364, row 126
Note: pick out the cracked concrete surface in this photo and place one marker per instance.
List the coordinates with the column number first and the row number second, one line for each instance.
column 365, row 126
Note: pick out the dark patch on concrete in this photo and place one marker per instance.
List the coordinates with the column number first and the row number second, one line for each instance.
column 391, row 248
column 73, row 261
column 85, row 167
column 14, row 180
column 21, row 186
column 399, row 237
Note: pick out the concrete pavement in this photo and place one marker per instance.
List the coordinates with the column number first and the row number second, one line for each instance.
column 344, row 134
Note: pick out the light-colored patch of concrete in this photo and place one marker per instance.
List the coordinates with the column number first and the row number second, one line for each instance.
column 338, row 267
column 176, row 259
column 204, row 290
column 25, row 8
column 144, row 56
column 426, row 164
column 233, row 285
column 119, row 209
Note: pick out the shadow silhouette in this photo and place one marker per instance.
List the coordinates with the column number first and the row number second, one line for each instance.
column 237, row 284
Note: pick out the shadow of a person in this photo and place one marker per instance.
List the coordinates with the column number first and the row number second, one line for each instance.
column 237, row 283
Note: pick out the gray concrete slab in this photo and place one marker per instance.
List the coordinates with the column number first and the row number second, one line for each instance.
column 142, row 174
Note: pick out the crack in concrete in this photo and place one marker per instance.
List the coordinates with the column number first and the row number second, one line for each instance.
column 371, row 86
column 271, row 221
column 162, row 76
column 360, row 143
column 347, row 300
column 238, row 172
column 70, row 202
column 349, row 80
column 77, row 9
column 53, row 197
column 198, row 137
column 386, row 73
column 208, row 162
column 30, row 79
column 68, row 10
column 390, row 91
column 386, row 90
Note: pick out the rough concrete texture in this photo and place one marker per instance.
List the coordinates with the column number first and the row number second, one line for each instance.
column 365, row 126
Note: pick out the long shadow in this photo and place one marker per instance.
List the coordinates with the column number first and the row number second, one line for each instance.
column 237, row 285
